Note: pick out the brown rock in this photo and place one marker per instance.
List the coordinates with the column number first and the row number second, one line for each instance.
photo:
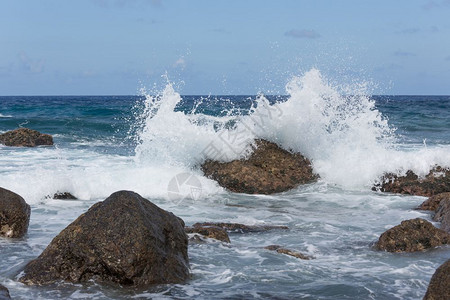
column 412, row 235
column 125, row 239
column 432, row 203
column 439, row 287
column 268, row 170
column 14, row 214
column 213, row 232
column 241, row 228
column 443, row 214
column 436, row 182
column 4, row 293
column 24, row 137
column 282, row 250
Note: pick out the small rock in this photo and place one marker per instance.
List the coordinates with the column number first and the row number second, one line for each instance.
column 4, row 293
column 14, row 214
column 436, row 182
column 432, row 203
column 241, row 228
column 125, row 239
column 412, row 235
column 64, row 196
column 439, row 287
column 443, row 214
column 213, row 232
column 24, row 137
column 268, row 170
column 282, row 250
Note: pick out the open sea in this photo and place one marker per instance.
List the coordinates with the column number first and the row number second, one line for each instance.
column 142, row 143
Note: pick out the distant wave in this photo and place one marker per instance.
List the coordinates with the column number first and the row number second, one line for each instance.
column 5, row 116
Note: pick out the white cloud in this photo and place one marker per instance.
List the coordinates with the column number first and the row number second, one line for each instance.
column 302, row 34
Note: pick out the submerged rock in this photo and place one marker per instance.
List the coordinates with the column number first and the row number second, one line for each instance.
column 241, row 228
column 289, row 252
column 24, row 137
column 443, row 214
column 14, row 214
column 433, row 202
column 213, row 232
column 439, row 287
column 435, row 182
column 412, row 235
column 125, row 239
column 268, row 170
column 4, row 293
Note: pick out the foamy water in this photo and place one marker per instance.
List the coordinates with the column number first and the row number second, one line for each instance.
column 349, row 140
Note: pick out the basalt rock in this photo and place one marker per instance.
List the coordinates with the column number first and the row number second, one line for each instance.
column 412, row 235
column 241, row 228
column 213, row 232
column 289, row 252
column 14, row 214
column 125, row 239
column 435, row 182
column 24, row 137
column 439, row 287
column 4, row 293
column 433, row 202
column 443, row 214
column 268, row 170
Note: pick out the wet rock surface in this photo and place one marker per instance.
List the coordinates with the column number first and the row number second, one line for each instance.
column 268, row 170
column 125, row 239
column 412, row 235
column 213, row 232
column 442, row 214
column 432, row 203
column 24, row 137
column 4, row 293
column 435, row 182
column 289, row 252
column 241, row 228
column 14, row 214
column 64, row 196
column 439, row 287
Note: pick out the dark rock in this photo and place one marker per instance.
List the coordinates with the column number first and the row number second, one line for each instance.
column 443, row 214
column 432, row 203
column 436, row 182
column 412, row 235
column 24, row 137
column 125, row 239
column 4, row 293
column 439, row 287
column 236, row 227
column 282, row 250
column 64, row 196
column 268, row 170
column 213, row 232
column 14, row 214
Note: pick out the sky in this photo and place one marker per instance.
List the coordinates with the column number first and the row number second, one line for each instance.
column 219, row 47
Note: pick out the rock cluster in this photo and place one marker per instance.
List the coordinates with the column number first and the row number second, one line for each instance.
column 24, row 137
column 125, row 239
column 14, row 214
column 269, row 169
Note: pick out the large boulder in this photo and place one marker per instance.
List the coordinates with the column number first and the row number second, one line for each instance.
column 125, row 239
column 443, row 214
column 24, row 137
column 437, row 181
column 412, row 235
column 439, row 287
column 14, row 214
column 268, row 170
column 432, row 203
column 4, row 293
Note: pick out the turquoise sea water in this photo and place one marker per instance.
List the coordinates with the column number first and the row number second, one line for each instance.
column 140, row 143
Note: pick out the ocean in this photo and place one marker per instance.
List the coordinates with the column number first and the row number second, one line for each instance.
column 142, row 143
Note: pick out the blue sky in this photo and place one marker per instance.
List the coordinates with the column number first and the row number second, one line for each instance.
column 106, row 47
